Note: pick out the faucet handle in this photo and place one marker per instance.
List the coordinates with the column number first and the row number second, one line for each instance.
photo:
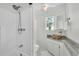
column 21, row 29
column 21, row 45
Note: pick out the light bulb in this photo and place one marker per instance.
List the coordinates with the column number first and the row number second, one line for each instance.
column 44, row 7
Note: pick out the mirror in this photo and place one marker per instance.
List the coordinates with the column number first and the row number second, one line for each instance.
column 56, row 24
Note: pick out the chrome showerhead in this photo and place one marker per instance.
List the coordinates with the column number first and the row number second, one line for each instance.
column 16, row 7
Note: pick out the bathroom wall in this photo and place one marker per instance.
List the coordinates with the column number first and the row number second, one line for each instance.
column 8, row 31
column 73, row 29
column 9, row 37
column 27, row 35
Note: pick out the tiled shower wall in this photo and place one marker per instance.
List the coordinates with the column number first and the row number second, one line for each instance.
column 9, row 37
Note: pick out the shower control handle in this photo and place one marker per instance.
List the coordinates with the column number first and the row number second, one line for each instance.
column 21, row 45
column 21, row 29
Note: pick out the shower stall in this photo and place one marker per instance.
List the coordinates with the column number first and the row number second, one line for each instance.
column 16, row 29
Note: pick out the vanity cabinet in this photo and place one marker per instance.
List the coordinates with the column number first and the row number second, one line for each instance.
column 57, row 48
column 53, row 47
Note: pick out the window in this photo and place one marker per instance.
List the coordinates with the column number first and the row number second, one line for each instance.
column 50, row 23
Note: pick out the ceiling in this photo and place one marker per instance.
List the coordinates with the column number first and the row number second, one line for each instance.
column 25, row 6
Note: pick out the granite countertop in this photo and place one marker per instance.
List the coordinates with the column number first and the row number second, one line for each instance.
column 71, row 42
column 67, row 40
column 71, row 45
